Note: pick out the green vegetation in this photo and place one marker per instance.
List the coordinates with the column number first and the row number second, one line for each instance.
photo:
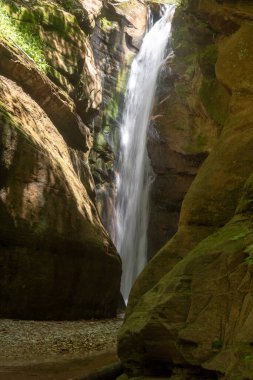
column 249, row 251
column 215, row 99
column 8, row 121
column 217, row 344
column 5, row 116
column 248, row 358
column 239, row 236
column 105, row 23
column 207, row 59
column 249, row 260
column 70, row 5
column 24, row 35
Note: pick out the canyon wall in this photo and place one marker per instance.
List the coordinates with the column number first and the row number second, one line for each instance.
column 115, row 40
column 190, row 312
column 56, row 258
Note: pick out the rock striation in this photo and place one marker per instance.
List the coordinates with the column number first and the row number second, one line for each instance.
column 115, row 40
column 56, row 259
column 182, row 133
column 190, row 311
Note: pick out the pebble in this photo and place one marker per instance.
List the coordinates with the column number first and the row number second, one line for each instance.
column 39, row 340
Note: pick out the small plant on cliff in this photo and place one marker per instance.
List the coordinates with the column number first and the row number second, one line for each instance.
column 105, row 23
column 69, row 5
column 22, row 35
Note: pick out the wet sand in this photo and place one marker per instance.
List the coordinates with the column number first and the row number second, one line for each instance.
column 61, row 370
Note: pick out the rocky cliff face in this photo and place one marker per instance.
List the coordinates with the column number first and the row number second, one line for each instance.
column 182, row 133
column 115, row 40
column 190, row 312
column 56, row 259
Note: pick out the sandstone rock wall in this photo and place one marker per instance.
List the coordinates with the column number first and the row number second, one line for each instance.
column 183, row 133
column 116, row 39
column 56, row 259
column 190, row 312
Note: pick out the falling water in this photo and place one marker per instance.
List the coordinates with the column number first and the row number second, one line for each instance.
column 134, row 175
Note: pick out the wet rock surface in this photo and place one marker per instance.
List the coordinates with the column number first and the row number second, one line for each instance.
column 116, row 38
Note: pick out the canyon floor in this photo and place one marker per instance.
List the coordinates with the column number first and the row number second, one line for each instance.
column 56, row 350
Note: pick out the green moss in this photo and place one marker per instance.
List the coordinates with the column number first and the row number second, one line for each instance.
column 215, row 99
column 186, row 292
column 7, row 120
column 217, row 344
column 201, row 142
column 105, row 24
column 121, row 81
column 23, row 35
column 181, row 41
column 182, row 90
column 249, row 260
column 111, row 116
column 99, row 142
column 5, row 116
column 70, row 5
column 112, row 110
column 178, row 126
column 239, row 236
column 248, row 358
column 57, row 20
column 123, row 377
column 249, row 249
column 207, row 59
column 198, row 143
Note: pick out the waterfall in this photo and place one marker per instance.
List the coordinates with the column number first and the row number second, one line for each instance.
column 134, row 173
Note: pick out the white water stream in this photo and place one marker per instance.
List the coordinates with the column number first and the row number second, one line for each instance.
column 134, row 175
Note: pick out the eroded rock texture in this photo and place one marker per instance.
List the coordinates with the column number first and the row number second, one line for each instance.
column 116, row 39
column 182, row 133
column 56, row 259
column 190, row 312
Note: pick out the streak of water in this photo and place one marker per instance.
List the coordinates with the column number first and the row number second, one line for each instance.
column 134, row 175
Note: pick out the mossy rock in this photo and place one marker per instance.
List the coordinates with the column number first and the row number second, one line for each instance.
column 216, row 100
column 207, row 59
column 171, row 324
column 233, row 67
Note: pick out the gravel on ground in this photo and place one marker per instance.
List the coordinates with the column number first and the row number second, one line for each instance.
column 41, row 347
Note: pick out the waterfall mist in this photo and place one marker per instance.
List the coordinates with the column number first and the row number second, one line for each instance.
column 134, row 173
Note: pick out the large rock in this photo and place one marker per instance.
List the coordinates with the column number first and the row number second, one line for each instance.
column 183, row 133
column 56, row 259
column 190, row 311
column 199, row 314
column 66, row 47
